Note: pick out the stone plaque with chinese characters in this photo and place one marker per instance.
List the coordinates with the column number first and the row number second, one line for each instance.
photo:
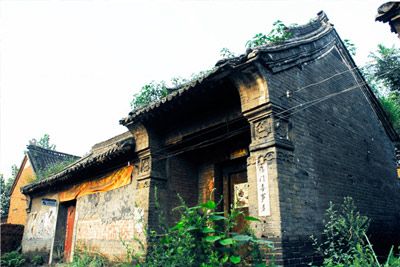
column 264, row 208
column 241, row 195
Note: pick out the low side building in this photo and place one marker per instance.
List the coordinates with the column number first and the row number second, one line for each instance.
column 92, row 204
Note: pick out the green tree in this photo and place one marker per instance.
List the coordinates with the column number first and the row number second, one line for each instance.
column 5, row 190
column 14, row 171
column 387, row 67
column 44, row 142
column 383, row 75
column 391, row 104
column 4, row 196
column 350, row 46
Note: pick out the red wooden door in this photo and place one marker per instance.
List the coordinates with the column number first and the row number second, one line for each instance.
column 69, row 232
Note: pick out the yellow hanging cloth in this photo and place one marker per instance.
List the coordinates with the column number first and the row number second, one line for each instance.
column 115, row 180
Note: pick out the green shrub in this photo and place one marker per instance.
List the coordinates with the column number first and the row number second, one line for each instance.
column 204, row 237
column 343, row 232
column 344, row 242
column 12, row 259
column 37, row 260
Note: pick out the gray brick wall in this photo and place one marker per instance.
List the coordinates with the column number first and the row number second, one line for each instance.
column 340, row 149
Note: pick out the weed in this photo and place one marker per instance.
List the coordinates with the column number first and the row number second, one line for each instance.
column 86, row 258
column 344, row 242
column 37, row 260
column 12, row 259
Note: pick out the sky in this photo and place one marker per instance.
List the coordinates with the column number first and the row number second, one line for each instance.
column 69, row 68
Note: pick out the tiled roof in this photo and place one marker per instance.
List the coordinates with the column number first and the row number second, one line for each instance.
column 274, row 56
column 307, row 42
column 100, row 154
column 42, row 158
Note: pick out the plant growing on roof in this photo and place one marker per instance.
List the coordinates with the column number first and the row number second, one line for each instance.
column 150, row 92
column 279, row 33
column 154, row 91
column 53, row 169
column 226, row 53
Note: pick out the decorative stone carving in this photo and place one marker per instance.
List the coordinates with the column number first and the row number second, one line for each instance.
column 285, row 156
column 144, row 165
column 262, row 129
column 282, row 130
column 267, row 157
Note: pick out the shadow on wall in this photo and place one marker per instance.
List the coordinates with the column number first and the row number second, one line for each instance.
column 11, row 237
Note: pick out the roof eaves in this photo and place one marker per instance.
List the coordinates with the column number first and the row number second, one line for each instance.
column 86, row 162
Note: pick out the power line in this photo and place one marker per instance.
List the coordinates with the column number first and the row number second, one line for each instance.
column 304, row 106
column 325, row 97
column 331, row 77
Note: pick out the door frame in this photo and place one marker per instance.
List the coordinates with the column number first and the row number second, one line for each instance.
column 69, row 230
column 61, row 228
column 227, row 168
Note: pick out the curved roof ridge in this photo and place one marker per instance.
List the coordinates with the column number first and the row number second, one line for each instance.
column 314, row 30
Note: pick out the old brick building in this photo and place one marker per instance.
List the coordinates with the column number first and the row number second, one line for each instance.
column 278, row 132
column 36, row 159
column 91, row 202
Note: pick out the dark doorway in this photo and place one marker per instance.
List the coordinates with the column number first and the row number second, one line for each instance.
column 235, row 190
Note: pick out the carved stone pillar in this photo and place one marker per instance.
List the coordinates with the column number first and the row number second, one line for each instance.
column 270, row 143
column 150, row 176
column 270, row 146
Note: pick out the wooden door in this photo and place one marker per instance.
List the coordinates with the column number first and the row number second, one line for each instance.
column 69, row 233
column 239, row 197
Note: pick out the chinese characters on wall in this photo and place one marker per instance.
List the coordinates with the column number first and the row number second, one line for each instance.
column 264, row 208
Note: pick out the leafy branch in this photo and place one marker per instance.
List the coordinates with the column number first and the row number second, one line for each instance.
column 279, row 33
